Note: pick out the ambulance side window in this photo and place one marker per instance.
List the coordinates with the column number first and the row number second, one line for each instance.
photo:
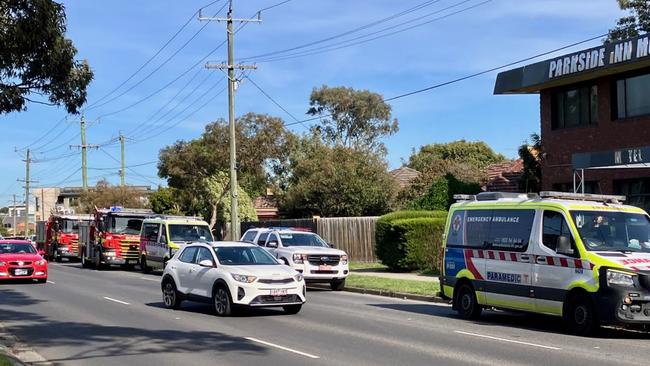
column 478, row 228
column 150, row 232
column 554, row 226
column 510, row 230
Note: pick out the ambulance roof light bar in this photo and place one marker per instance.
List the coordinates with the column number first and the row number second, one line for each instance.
column 494, row 196
column 583, row 196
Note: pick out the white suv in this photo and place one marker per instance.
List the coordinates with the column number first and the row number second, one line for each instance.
column 306, row 252
column 230, row 274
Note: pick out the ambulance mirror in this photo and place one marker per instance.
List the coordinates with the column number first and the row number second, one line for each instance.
column 564, row 245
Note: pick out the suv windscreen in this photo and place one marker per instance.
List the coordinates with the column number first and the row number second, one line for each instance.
column 302, row 240
column 613, row 231
column 125, row 225
column 244, row 256
column 188, row 232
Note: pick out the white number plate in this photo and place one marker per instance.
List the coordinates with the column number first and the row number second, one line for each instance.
column 324, row 268
column 279, row 292
column 21, row 272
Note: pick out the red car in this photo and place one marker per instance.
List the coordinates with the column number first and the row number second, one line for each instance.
column 20, row 260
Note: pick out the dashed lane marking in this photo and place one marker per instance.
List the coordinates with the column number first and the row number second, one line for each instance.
column 507, row 340
column 117, row 301
column 52, row 282
column 282, row 347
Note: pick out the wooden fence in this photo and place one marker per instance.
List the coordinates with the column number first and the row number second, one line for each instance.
column 354, row 235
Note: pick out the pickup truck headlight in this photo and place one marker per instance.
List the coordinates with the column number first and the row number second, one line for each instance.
column 620, row 278
column 243, row 278
column 344, row 259
column 298, row 277
column 299, row 258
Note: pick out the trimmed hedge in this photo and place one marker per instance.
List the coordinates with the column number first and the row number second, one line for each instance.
column 440, row 195
column 410, row 240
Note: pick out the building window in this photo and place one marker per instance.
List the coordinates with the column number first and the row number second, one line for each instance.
column 636, row 191
column 632, row 96
column 575, row 107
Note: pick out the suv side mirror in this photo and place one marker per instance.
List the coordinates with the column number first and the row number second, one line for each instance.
column 331, row 245
column 564, row 245
column 206, row 263
column 272, row 244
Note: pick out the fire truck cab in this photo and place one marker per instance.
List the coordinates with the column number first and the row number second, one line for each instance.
column 58, row 237
column 113, row 237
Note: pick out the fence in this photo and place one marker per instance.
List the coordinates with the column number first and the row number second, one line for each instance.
column 354, row 235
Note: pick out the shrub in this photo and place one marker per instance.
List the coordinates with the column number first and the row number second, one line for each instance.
column 440, row 194
column 410, row 240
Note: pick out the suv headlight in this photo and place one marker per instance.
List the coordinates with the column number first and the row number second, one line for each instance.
column 298, row 277
column 299, row 258
column 620, row 278
column 243, row 278
column 344, row 259
column 2, row 264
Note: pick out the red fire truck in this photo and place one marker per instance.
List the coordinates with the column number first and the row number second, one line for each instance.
column 112, row 237
column 58, row 237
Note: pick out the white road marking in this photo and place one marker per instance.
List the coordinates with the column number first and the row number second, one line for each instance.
column 52, row 282
column 282, row 348
column 150, row 279
column 508, row 340
column 117, row 301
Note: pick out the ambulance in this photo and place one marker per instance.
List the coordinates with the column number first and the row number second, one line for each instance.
column 582, row 257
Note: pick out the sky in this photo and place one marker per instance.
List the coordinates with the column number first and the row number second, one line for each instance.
column 174, row 96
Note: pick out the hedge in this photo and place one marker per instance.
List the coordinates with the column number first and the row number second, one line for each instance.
column 410, row 240
column 440, row 195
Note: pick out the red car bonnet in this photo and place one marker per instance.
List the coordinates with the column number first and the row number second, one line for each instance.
column 13, row 257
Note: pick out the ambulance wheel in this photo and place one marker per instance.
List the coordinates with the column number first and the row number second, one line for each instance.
column 580, row 315
column 466, row 304
column 143, row 265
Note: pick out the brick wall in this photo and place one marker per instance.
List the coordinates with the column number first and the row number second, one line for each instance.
column 608, row 134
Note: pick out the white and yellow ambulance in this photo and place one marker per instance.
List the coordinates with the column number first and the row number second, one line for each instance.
column 583, row 257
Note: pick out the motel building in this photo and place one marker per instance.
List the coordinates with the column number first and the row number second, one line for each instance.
column 595, row 118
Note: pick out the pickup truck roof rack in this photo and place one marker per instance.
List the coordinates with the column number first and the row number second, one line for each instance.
column 583, row 197
column 176, row 217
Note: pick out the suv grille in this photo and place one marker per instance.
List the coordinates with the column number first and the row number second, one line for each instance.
column 317, row 260
column 269, row 281
column 268, row 299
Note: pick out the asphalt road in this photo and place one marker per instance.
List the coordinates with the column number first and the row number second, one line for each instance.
column 85, row 317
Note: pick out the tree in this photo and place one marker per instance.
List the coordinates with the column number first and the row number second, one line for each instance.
column 351, row 118
column 217, row 188
column 165, row 201
column 336, row 181
column 36, row 58
column 530, row 154
column 106, row 195
column 637, row 21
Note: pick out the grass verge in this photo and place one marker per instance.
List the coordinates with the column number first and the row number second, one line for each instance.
column 4, row 361
column 367, row 265
column 424, row 288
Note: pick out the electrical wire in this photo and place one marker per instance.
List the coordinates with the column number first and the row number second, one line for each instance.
column 275, row 102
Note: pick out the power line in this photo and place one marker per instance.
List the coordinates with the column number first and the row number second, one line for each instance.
column 469, row 76
column 275, row 102
column 129, row 166
column 169, row 41
column 47, row 133
column 131, row 170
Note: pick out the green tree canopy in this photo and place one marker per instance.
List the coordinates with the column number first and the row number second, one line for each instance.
column 165, row 201
column 473, row 153
column 530, row 154
column 106, row 195
column 36, row 58
column 336, row 181
column 636, row 21
column 351, row 118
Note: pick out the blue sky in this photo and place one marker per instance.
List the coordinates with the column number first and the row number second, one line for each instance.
column 118, row 36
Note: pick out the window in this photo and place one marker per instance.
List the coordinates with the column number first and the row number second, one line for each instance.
column 555, row 226
column 249, row 236
column 590, row 187
column 510, row 229
column 150, row 232
column 478, row 228
column 302, row 240
column 637, row 191
column 187, row 232
column 575, row 107
column 203, row 254
column 188, row 255
column 163, row 234
column 274, row 238
column 262, row 239
column 633, row 96
column 246, row 256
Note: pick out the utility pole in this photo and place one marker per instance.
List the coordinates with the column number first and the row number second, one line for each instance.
column 232, row 86
column 84, row 151
column 27, row 181
column 123, row 167
column 42, row 204
column 14, row 214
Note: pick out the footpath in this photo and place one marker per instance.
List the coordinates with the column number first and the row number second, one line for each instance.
column 15, row 353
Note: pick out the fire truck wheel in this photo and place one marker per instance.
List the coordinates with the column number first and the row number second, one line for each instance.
column 84, row 262
column 170, row 295
column 58, row 258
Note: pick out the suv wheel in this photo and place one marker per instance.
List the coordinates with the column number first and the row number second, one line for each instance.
column 337, row 285
column 292, row 309
column 466, row 304
column 171, row 296
column 579, row 315
column 222, row 301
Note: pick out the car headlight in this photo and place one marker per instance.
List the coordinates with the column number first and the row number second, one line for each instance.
column 344, row 259
column 2, row 264
column 243, row 278
column 299, row 258
column 298, row 277
column 39, row 263
column 620, row 278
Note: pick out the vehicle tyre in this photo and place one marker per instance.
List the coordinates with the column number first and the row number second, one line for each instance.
column 466, row 304
column 171, row 297
column 58, row 258
column 337, row 285
column 292, row 309
column 143, row 265
column 84, row 262
column 580, row 316
column 222, row 301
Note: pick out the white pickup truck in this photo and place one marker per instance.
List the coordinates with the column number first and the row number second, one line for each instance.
column 306, row 252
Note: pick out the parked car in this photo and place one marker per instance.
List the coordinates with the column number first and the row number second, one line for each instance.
column 20, row 260
column 304, row 251
column 231, row 274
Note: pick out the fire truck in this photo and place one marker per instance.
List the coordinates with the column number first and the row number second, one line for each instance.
column 58, row 237
column 112, row 237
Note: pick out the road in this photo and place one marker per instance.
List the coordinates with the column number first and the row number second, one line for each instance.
column 85, row 317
